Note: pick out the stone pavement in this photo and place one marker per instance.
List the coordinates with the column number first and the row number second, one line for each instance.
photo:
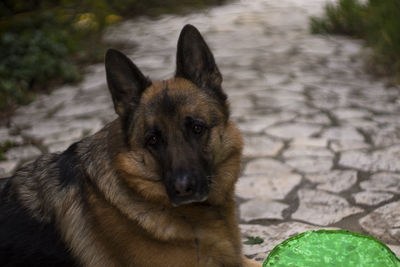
column 322, row 137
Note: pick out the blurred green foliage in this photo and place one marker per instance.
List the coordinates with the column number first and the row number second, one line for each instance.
column 253, row 240
column 42, row 42
column 4, row 147
column 376, row 21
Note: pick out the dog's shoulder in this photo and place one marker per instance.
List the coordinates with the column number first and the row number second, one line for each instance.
column 28, row 232
column 26, row 240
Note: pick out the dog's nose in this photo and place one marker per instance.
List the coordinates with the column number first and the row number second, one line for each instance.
column 183, row 187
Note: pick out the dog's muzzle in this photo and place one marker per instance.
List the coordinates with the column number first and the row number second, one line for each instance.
column 185, row 187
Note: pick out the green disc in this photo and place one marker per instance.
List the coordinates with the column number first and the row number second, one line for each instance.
column 339, row 248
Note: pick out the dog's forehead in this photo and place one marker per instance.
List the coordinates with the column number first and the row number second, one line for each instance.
column 172, row 97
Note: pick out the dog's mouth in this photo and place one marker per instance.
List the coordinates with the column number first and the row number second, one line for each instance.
column 196, row 199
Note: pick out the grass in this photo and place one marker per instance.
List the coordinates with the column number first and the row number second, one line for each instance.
column 376, row 21
column 4, row 147
column 251, row 240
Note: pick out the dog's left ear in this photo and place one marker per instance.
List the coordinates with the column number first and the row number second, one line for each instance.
column 125, row 81
column 195, row 62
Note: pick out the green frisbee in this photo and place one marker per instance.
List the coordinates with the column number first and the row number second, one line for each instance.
column 339, row 248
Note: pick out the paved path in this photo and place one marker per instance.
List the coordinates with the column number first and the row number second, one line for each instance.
column 322, row 137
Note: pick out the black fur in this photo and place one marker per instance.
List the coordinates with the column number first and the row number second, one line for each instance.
column 125, row 81
column 126, row 84
column 165, row 104
column 195, row 62
column 69, row 165
column 26, row 241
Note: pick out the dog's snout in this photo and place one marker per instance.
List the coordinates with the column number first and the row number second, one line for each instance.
column 183, row 186
column 186, row 186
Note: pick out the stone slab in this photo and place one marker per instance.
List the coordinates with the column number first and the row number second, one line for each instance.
column 334, row 181
column 371, row 198
column 261, row 209
column 268, row 187
column 261, row 146
column 321, row 208
column 384, row 223
column 380, row 160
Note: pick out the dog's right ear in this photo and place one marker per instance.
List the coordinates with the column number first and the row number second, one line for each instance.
column 125, row 81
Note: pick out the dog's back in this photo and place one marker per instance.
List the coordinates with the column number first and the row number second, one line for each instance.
column 28, row 234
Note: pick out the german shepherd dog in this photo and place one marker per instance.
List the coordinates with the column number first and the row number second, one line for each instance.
column 155, row 187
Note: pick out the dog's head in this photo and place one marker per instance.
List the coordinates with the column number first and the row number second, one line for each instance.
column 173, row 130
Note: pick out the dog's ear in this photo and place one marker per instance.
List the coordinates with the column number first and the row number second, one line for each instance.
column 195, row 62
column 125, row 81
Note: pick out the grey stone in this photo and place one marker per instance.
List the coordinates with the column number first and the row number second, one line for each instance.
column 384, row 223
column 250, row 127
column 71, row 135
column 395, row 250
column 89, row 126
column 379, row 160
column 261, row 209
column 350, row 113
column 318, row 118
column 3, row 133
column 304, row 151
column 49, row 104
column 6, row 137
column 23, row 121
column 320, row 208
column 343, row 145
column 389, row 119
column 267, row 167
column 386, row 136
column 260, row 146
column 293, row 130
column 277, row 99
column 309, row 142
column 334, row 181
column 7, row 167
column 240, row 102
column 41, row 130
column 343, row 134
column 58, row 147
column 310, row 164
column 82, row 110
column 23, row 152
column 253, row 125
column 359, row 123
column 59, row 127
column 267, row 187
column 65, row 93
column 301, row 108
column 385, row 181
column 256, row 124
column 371, row 198
column 95, row 81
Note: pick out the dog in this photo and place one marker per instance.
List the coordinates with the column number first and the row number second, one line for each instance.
column 155, row 187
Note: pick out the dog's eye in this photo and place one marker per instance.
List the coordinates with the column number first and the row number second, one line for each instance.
column 152, row 141
column 197, row 129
